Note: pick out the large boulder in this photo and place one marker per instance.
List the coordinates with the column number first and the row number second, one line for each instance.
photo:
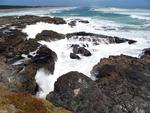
column 78, row 93
column 126, row 81
column 11, row 102
column 49, row 35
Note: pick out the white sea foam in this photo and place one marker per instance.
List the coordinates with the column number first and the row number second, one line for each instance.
column 133, row 13
column 140, row 17
column 62, row 48
column 64, row 64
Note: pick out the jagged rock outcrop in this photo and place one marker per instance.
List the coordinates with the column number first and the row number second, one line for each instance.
column 96, row 39
column 21, row 78
column 45, row 58
column 21, row 21
column 79, row 93
column 17, row 78
column 126, row 81
column 21, row 58
column 81, row 50
column 73, row 23
column 146, row 55
column 122, row 86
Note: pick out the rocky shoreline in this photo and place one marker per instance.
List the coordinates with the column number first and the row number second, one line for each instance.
column 122, row 83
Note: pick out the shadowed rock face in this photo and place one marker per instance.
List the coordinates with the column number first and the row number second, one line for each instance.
column 146, row 55
column 96, row 39
column 126, row 81
column 45, row 58
column 79, row 93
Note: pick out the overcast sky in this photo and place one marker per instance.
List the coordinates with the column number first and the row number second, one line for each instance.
column 128, row 3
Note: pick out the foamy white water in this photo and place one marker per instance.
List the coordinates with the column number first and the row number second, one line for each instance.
column 62, row 47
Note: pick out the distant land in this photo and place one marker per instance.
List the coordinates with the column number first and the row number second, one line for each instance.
column 18, row 7
column 15, row 7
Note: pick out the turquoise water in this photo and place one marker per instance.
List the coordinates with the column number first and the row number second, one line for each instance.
column 129, row 19
column 139, row 17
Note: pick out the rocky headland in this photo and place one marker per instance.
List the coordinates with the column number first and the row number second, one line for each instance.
column 122, row 82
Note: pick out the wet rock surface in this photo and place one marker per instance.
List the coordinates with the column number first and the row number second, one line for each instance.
column 49, row 35
column 74, row 56
column 81, row 50
column 45, row 58
column 79, row 93
column 145, row 54
column 97, row 39
column 22, row 21
column 73, row 23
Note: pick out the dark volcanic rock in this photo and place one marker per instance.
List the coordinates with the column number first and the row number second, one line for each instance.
column 126, row 80
column 74, row 56
column 81, row 50
column 49, row 35
column 26, row 47
column 74, row 22
column 22, row 21
column 14, row 47
column 9, row 40
column 97, row 38
column 17, row 78
column 84, row 21
column 79, row 93
column 45, row 58
column 146, row 53
column 21, row 78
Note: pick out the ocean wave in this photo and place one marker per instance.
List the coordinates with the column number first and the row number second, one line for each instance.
column 142, row 14
column 140, row 17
